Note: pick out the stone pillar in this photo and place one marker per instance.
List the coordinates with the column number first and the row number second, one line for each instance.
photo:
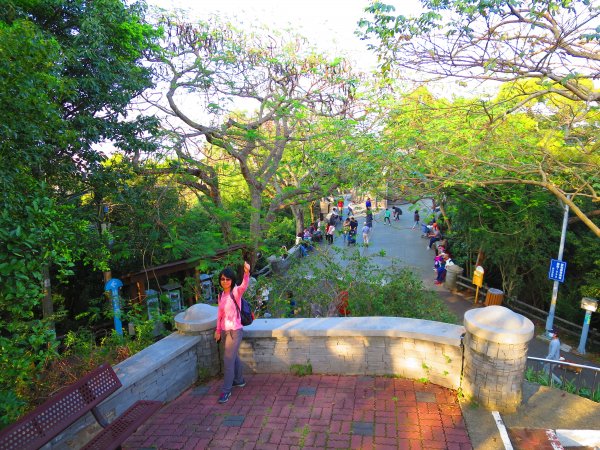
column 452, row 274
column 201, row 320
column 495, row 352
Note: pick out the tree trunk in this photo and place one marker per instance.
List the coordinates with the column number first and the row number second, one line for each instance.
column 314, row 206
column 480, row 258
column 446, row 219
column 298, row 213
column 255, row 225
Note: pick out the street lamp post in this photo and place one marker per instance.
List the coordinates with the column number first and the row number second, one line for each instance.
column 590, row 305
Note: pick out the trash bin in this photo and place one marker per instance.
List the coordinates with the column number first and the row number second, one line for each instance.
column 494, row 297
column 452, row 273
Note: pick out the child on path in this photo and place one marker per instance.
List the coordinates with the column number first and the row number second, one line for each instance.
column 386, row 216
column 416, row 218
column 442, row 261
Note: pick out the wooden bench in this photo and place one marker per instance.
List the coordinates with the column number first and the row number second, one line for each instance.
column 60, row 411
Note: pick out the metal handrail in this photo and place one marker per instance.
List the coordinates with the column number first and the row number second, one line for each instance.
column 576, row 376
column 564, row 363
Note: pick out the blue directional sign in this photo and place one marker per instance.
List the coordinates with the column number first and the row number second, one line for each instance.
column 557, row 270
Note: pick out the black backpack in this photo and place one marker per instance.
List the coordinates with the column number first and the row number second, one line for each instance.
column 246, row 314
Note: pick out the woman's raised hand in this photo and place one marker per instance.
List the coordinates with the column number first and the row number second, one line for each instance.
column 246, row 267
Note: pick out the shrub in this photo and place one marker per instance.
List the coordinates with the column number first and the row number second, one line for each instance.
column 314, row 286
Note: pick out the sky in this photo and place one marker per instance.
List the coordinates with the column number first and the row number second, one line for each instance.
column 329, row 25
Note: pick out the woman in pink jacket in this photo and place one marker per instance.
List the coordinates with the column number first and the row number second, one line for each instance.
column 229, row 327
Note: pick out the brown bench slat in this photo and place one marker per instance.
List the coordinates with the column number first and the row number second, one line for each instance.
column 124, row 426
column 56, row 414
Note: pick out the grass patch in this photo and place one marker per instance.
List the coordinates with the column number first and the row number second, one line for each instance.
column 542, row 378
column 301, row 370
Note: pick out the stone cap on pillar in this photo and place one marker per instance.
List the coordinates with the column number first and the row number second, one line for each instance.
column 198, row 317
column 454, row 268
column 499, row 324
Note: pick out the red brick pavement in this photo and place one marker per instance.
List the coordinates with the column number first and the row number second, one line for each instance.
column 282, row 412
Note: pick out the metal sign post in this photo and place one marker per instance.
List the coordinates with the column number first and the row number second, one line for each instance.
column 550, row 318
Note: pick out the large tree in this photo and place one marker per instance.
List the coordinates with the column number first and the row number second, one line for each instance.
column 546, row 50
column 249, row 96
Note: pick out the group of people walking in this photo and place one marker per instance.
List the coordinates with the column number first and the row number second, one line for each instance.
column 326, row 227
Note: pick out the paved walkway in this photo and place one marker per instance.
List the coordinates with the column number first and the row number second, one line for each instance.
column 311, row 412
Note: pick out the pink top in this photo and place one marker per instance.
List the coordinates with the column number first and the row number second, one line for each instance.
column 228, row 318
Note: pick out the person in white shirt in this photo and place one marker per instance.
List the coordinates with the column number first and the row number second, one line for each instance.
column 365, row 233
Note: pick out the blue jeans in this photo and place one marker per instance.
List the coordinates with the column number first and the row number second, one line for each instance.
column 432, row 240
column 441, row 274
column 231, row 359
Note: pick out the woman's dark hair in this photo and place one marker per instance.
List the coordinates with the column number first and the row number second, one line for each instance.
column 228, row 272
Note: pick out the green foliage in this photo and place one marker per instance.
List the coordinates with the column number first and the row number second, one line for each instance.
column 276, row 153
column 317, row 284
column 301, row 370
column 32, row 376
column 304, row 432
column 503, row 140
column 281, row 232
column 148, row 220
column 543, row 378
column 67, row 72
column 31, row 346
column 502, row 222
column 518, row 230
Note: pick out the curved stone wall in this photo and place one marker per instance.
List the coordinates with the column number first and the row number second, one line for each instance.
column 411, row 348
column 495, row 350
